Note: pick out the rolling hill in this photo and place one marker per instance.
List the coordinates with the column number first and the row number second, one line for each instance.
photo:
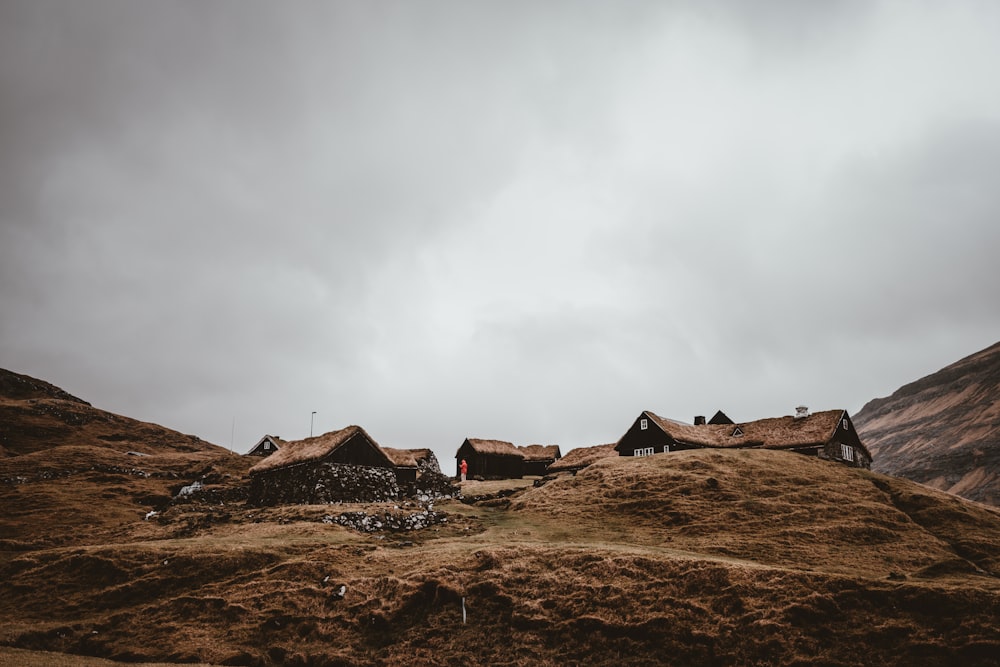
column 67, row 468
column 942, row 430
column 702, row 557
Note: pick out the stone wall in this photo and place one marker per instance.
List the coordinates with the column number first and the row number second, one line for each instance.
column 429, row 485
column 319, row 483
column 429, row 464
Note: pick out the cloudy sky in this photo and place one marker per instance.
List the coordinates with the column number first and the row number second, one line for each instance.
column 523, row 221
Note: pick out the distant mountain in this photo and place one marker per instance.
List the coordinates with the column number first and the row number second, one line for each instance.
column 942, row 430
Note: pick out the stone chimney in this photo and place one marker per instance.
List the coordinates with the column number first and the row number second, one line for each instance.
column 801, row 411
column 699, row 420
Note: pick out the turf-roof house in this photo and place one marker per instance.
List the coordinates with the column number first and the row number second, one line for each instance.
column 499, row 459
column 345, row 465
column 490, row 459
column 828, row 435
column 537, row 458
column 411, row 463
column 266, row 446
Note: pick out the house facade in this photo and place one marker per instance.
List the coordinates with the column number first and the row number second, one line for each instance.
column 829, row 435
column 266, row 446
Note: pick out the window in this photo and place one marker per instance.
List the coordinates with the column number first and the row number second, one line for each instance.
column 643, row 424
column 737, row 431
column 666, row 448
column 267, row 445
column 843, row 422
column 847, row 452
column 645, row 451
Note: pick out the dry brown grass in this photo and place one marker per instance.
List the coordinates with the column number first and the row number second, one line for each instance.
column 19, row 657
column 494, row 486
column 767, row 507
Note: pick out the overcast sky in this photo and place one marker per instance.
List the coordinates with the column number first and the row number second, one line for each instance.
column 522, row 221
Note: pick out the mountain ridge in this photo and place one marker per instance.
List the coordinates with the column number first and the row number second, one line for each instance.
column 942, row 430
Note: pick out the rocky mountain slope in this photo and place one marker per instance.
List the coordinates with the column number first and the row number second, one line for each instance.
column 942, row 430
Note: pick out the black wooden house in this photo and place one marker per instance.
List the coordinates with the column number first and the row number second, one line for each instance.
column 829, row 435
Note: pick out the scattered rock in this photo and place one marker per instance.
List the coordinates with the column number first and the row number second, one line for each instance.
column 190, row 489
column 391, row 521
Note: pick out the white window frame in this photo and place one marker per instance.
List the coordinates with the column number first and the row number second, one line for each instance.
column 267, row 446
column 843, row 422
column 645, row 451
column 643, row 424
column 846, row 452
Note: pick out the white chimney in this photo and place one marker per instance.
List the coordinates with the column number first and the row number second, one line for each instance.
column 801, row 411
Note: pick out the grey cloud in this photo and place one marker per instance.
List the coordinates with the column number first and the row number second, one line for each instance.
column 519, row 221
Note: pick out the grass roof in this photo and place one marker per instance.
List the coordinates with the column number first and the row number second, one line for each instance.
column 406, row 458
column 772, row 433
column 581, row 457
column 540, row 452
column 311, row 449
column 494, row 447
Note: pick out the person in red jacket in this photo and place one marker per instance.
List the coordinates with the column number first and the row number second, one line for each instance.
column 464, row 468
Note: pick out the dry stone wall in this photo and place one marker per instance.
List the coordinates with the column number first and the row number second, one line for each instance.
column 321, row 483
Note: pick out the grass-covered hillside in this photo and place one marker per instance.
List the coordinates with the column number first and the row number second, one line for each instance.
column 700, row 557
column 689, row 558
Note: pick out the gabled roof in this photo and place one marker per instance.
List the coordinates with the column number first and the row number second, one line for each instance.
column 720, row 417
column 406, row 458
column 581, row 457
column 540, row 452
column 494, row 447
column 278, row 442
column 772, row 433
column 312, row 449
column 273, row 438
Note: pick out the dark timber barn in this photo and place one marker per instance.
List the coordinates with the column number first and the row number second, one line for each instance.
column 537, row 458
column 490, row 459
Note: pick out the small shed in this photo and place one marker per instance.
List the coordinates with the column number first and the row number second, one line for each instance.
column 490, row 459
column 345, row 466
column 538, row 457
column 412, row 463
column 581, row 457
column 266, row 446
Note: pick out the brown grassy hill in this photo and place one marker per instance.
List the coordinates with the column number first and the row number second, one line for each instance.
column 692, row 558
column 67, row 468
column 35, row 416
column 942, row 430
